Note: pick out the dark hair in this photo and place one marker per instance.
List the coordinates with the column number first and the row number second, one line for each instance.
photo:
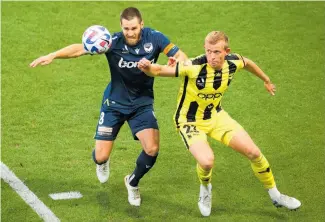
column 130, row 13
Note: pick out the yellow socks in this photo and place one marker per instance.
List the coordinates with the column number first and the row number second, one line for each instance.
column 263, row 172
column 204, row 175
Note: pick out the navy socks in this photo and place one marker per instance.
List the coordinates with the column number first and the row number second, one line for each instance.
column 144, row 163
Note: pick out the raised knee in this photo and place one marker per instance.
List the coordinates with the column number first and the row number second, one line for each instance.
column 208, row 163
column 253, row 154
column 152, row 150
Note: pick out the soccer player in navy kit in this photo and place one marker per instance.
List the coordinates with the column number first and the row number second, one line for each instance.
column 129, row 95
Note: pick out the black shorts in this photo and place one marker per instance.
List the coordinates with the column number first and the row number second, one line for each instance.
column 111, row 120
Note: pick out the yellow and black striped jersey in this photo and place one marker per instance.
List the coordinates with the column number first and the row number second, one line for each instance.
column 202, row 87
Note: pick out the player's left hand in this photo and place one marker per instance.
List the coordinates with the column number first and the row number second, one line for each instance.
column 270, row 87
column 144, row 64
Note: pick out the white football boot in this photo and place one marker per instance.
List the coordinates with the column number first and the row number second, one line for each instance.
column 286, row 201
column 102, row 172
column 133, row 193
column 205, row 199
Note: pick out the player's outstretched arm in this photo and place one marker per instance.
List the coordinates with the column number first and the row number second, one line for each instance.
column 253, row 68
column 154, row 70
column 71, row 51
column 201, row 59
column 180, row 56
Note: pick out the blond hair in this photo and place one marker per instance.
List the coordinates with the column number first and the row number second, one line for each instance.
column 216, row 36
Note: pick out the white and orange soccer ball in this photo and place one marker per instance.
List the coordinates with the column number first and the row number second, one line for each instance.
column 96, row 39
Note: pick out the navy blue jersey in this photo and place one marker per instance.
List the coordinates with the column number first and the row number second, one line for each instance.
column 129, row 87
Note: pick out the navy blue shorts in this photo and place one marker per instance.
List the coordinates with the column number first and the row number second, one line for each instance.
column 111, row 120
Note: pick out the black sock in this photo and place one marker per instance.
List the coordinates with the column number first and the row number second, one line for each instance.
column 94, row 158
column 144, row 164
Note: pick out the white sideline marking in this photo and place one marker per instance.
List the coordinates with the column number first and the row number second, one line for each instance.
column 65, row 195
column 27, row 195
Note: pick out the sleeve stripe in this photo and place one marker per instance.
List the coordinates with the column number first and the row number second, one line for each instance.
column 168, row 48
column 176, row 74
column 243, row 60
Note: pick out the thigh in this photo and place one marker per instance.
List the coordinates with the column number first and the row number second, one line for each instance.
column 142, row 118
column 149, row 139
column 224, row 128
column 243, row 143
column 109, row 124
column 191, row 133
column 203, row 154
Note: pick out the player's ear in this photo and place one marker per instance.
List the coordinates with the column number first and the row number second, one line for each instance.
column 142, row 24
column 228, row 50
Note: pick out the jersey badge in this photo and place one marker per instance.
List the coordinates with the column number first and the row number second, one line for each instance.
column 148, row 47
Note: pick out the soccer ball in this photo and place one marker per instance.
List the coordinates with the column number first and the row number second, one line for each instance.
column 96, row 39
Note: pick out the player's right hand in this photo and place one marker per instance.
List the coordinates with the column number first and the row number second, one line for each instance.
column 172, row 61
column 43, row 60
column 270, row 87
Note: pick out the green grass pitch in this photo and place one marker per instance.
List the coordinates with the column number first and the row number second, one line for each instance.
column 49, row 114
